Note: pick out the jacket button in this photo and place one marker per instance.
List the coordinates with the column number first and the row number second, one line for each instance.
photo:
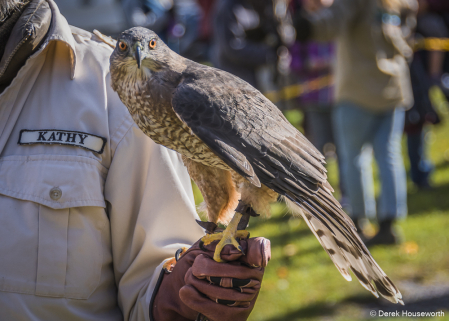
column 55, row 193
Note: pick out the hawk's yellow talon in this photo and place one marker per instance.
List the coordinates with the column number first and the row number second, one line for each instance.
column 228, row 236
column 242, row 234
column 209, row 238
column 236, row 244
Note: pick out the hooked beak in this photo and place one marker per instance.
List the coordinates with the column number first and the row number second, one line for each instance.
column 138, row 56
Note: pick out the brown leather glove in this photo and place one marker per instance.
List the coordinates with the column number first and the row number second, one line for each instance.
column 219, row 291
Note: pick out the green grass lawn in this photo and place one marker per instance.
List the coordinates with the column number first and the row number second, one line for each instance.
column 302, row 283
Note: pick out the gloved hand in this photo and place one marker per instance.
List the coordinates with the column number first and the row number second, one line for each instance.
column 219, row 291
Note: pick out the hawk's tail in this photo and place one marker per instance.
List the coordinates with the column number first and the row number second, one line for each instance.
column 337, row 234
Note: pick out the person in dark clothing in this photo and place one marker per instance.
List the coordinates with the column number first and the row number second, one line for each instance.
column 416, row 118
column 425, row 71
column 245, row 37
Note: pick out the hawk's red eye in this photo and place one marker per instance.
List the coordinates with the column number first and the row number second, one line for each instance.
column 152, row 44
column 122, row 46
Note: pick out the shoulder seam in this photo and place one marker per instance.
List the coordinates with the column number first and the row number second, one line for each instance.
column 115, row 141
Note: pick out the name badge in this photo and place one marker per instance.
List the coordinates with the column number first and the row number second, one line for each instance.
column 63, row 137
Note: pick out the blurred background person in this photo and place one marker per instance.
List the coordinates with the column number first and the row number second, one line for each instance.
column 312, row 60
column 244, row 37
column 372, row 92
column 426, row 70
column 201, row 48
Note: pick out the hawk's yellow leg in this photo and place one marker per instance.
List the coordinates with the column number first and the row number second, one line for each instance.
column 226, row 237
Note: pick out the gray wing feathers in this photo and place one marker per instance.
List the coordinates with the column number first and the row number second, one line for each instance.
column 241, row 161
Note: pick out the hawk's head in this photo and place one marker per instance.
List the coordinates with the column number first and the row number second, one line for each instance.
column 139, row 52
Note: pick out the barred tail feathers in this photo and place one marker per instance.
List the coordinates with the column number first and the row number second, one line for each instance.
column 345, row 248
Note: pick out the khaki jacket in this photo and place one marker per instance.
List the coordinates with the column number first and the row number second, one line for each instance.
column 371, row 68
column 89, row 206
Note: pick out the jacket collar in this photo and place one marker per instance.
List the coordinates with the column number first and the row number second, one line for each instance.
column 59, row 30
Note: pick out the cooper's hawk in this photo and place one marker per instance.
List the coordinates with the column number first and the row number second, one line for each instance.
column 236, row 145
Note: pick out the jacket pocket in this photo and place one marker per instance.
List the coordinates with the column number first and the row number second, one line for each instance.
column 56, row 207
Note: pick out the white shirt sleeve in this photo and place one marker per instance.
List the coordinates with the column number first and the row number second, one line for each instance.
column 152, row 214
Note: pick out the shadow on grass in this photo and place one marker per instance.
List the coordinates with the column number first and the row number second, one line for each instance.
column 325, row 309
column 427, row 303
column 310, row 311
column 418, row 297
column 423, row 201
column 430, row 304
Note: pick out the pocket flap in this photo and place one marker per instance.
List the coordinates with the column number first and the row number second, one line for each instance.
column 56, row 181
